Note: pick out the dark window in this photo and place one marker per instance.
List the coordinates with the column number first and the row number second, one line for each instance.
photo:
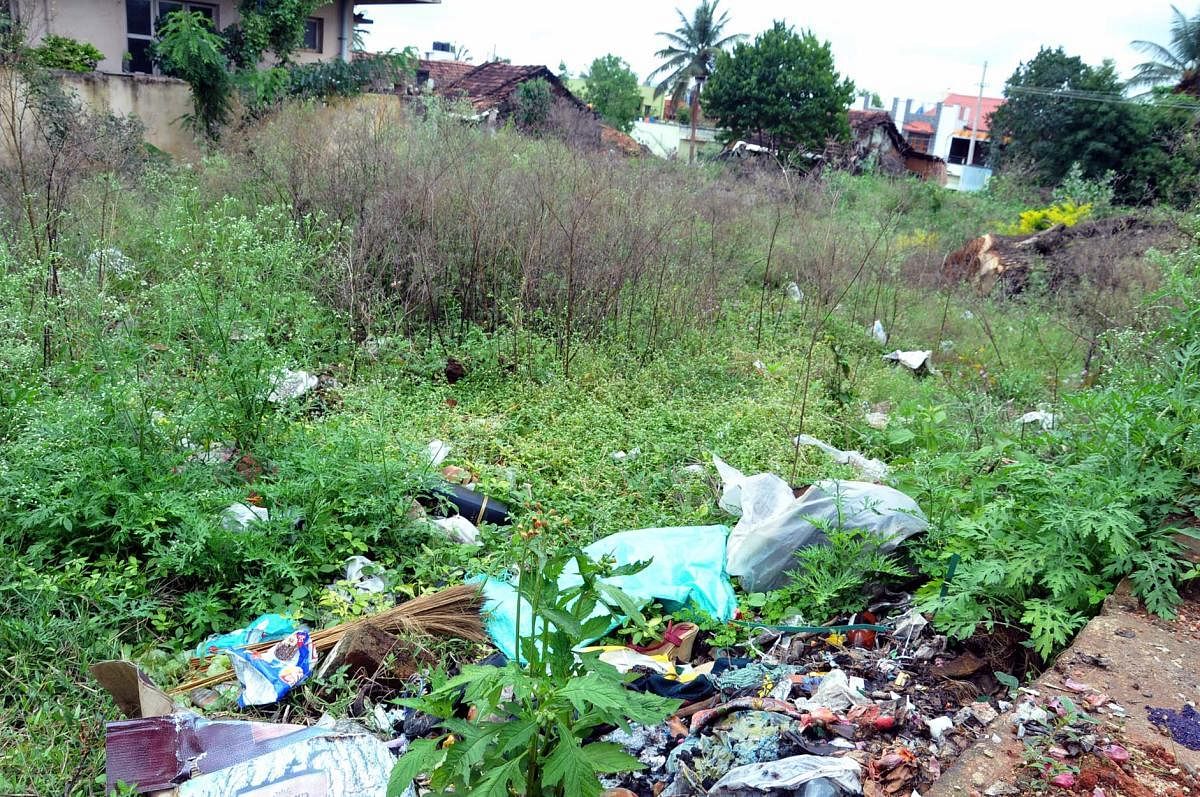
column 314, row 34
column 139, row 56
column 137, row 17
column 442, row 47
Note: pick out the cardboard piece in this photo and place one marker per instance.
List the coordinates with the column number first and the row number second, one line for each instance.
column 135, row 694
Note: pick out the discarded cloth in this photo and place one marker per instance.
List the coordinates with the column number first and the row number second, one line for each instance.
column 774, row 524
column 687, row 566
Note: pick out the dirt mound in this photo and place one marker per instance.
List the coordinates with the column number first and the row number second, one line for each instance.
column 1104, row 253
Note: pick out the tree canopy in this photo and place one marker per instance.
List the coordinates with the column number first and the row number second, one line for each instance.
column 1177, row 63
column 612, row 89
column 1059, row 111
column 692, row 48
column 782, row 88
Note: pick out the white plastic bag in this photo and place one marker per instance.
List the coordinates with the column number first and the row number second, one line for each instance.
column 458, row 529
column 878, row 332
column 239, row 516
column 774, row 524
column 870, row 469
column 287, row 385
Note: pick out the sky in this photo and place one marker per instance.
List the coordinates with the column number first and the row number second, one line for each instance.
column 882, row 47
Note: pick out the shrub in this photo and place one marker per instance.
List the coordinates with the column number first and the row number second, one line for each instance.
column 1066, row 213
column 61, row 52
column 531, row 104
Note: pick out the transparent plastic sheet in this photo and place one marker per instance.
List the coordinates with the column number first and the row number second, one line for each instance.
column 774, row 524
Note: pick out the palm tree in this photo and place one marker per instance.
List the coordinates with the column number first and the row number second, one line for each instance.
column 691, row 54
column 1177, row 63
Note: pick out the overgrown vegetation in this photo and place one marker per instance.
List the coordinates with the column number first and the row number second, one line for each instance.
column 62, row 52
column 596, row 305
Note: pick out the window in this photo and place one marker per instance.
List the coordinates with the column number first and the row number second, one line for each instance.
column 142, row 19
column 314, row 34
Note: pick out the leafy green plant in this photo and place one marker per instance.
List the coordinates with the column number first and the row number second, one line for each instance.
column 62, row 52
column 191, row 50
column 829, row 579
column 532, row 721
column 531, row 104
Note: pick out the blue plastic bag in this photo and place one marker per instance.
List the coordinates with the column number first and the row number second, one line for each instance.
column 687, row 565
column 269, row 675
column 266, row 628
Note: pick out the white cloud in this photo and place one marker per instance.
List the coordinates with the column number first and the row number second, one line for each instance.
column 907, row 50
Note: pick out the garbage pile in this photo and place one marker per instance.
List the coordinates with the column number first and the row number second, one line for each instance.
column 876, row 707
column 875, row 703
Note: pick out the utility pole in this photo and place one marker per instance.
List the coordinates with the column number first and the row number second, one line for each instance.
column 975, row 118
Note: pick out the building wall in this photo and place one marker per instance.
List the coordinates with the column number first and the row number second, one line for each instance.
column 159, row 102
column 102, row 23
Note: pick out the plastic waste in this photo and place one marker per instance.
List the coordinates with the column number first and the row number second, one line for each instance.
column 268, row 675
column 239, row 516
column 436, row 452
column 265, row 628
column 836, row 692
column 621, row 456
column 869, row 469
column 458, row 529
column 475, row 507
column 331, row 765
column 877, row 420
column 687, row 565
column 920, row 361
column 1046, row 419
column 938, row 726
column 355, row 566
column 288, row 385
column 774, row 524
column 789, row 773
column 794, row 293
column 159, row 752
column 879, row 333
column 110, row 261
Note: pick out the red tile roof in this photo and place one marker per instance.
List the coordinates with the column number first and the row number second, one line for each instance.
column 918, row 127
column 489, row 85
column 443, row 73
column 966, row 104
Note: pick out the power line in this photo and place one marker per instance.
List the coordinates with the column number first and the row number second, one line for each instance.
column 1101, row 97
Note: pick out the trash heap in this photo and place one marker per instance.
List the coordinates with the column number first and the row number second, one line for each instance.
column 861, row 708
column 875, row 703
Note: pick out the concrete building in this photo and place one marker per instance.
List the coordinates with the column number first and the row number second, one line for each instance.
column 124, row 29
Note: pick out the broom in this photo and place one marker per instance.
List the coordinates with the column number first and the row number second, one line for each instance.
column 452, row 612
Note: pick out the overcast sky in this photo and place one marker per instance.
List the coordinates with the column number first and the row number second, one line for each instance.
column 899, row 49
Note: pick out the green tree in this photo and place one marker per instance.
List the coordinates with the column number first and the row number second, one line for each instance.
column 612, row 89
column 1176, row 64
column 188, row 48
column 691, row 55
column 782, row 88
column 1046, row 122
